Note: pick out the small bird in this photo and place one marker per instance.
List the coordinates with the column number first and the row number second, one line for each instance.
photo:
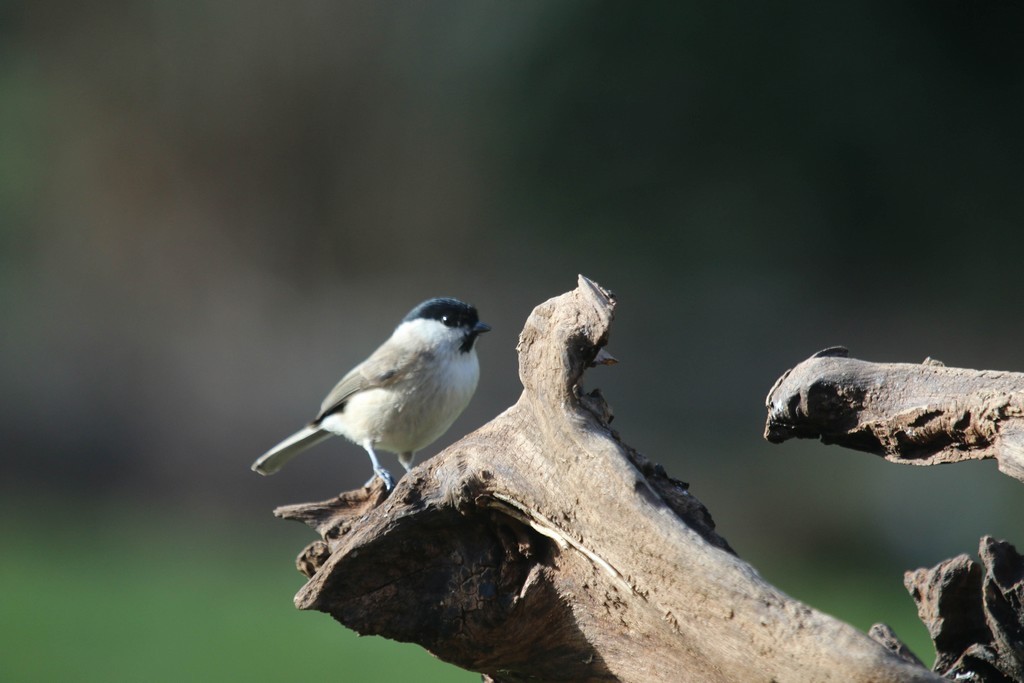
column 404, row 396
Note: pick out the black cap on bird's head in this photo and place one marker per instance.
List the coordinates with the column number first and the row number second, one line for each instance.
column 451, row 313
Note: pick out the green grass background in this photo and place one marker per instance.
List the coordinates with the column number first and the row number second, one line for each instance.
column 89, row 596
column 92, row 595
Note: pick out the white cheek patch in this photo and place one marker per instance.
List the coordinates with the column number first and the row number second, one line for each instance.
column 424, row 333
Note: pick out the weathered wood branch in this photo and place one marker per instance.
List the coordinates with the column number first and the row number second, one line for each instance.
column 542, row 547
column 915, row 414
column 975, row 613
column 928, row 414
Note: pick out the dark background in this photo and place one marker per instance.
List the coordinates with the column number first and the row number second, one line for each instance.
column 210, row 211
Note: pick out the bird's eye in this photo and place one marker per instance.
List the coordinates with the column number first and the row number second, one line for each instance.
column 448, row 321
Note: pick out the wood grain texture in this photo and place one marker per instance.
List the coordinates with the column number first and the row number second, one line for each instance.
column 974, row 612
column 927, row 414
column 541, row 547
column 924, row 414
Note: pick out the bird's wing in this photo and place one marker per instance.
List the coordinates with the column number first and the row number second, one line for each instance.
column 382, row 369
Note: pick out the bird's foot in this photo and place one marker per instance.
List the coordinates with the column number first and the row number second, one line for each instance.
column 384, row 475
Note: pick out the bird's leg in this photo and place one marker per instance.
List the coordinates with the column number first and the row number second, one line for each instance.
column 406, row 460
column 378, row 471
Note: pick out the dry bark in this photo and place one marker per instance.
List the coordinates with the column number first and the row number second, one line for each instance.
column 914, row 414
column 542, row 548
column 928, row 414
column 975, row 613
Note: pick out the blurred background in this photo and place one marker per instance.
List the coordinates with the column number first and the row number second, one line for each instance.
column 210, row 211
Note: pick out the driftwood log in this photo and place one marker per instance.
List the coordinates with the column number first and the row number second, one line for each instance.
column 924, row 414
column 543, row 548
column 928, row 414
column 975, row 613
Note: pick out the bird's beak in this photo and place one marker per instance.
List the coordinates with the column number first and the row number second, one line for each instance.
column 480, row 328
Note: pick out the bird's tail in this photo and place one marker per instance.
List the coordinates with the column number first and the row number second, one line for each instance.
column 276, row 457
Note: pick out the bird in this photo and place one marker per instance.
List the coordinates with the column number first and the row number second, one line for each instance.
column 404, row 396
